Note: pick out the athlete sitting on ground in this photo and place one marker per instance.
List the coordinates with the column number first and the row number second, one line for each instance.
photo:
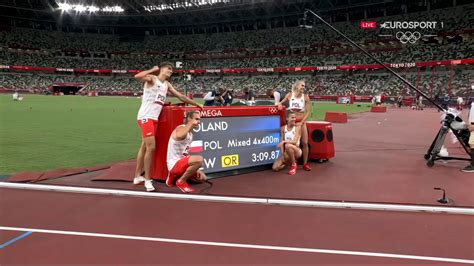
column 180, row 164
column 289, row 146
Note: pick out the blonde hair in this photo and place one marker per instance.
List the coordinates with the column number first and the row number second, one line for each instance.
column 293, row 88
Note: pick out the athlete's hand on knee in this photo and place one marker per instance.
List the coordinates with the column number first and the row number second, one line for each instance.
column 281, row 144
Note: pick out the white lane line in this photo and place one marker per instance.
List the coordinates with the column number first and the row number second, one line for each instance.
column 264, row 201
column 238, row 245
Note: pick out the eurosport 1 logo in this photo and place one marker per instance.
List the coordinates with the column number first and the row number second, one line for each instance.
column 405, row 31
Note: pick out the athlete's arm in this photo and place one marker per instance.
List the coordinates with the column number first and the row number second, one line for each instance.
column 225, row 92
column 282, row 139
column 276, row 96
column 180, row 132
column 145, row 75
column 182, row 97
column 286, row 99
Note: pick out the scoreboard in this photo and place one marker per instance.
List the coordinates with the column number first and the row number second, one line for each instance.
column 231, row 143
column 231, row 139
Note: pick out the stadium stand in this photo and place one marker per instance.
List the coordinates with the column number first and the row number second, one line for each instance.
column 270, row 48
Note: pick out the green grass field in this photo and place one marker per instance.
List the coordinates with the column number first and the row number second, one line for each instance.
column 47, row 132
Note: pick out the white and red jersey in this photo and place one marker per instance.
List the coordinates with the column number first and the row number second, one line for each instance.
column 178, row 149
column 290, row 134
column 297, row 104
column 154, row 96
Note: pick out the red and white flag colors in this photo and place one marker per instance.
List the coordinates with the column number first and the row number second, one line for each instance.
column 196, row 146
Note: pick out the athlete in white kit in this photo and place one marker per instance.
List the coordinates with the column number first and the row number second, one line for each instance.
column 180, row 164
column 289, row 146
column 299, row 104
column 153, row 99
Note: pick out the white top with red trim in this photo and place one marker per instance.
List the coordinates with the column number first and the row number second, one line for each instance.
column 296, row 104
column 154, row 96
column 178, row 149
column 290, row 134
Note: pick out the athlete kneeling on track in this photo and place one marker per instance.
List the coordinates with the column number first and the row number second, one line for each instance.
column 289, row 146
column 180, row 164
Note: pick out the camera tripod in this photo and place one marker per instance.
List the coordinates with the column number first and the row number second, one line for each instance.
column 433, row 152
column 462, row 135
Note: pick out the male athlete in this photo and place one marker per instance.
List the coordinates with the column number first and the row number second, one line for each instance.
column 154, row 96
column 180, row 164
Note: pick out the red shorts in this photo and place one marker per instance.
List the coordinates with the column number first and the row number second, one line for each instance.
column 148, row 127
column 180, row 167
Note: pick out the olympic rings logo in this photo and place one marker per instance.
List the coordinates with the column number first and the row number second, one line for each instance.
column 273, row 110
column 408, row 37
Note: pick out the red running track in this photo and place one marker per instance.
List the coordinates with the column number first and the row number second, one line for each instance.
column 419, row 234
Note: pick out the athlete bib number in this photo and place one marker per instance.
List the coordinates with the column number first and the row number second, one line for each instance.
column 160, row 99
column 186, row 150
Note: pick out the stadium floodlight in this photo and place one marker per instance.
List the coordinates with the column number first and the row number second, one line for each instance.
column 118, row 9
column 93, row 9
column 184, row 5
column 112, row 9
column 64, row 6
column 80, row 8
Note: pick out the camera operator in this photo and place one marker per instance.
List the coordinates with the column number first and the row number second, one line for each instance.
column 214, row 98
column 228, row 97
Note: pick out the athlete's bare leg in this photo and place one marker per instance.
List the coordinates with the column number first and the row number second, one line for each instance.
column 194, row 163
column 304, row 142
column 148, row 158
column 294, row 153
column 140, row 160
column 279, row 164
